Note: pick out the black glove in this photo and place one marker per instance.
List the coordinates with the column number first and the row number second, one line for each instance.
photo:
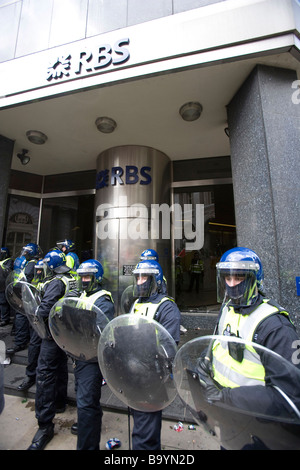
column 212, row 392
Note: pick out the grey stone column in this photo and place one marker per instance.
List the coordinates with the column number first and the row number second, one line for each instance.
column 6, row 151
column 264, row 126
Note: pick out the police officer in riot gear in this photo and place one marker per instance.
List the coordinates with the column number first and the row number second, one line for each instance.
column 88, row 377
column 247, row 314
column 6, row 265
column 52, row 371
column 35, row 340
column 152, row 303
column 152, row 255
column 68, row 248
column 29, row 255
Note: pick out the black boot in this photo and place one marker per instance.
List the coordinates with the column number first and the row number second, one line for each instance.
column 27, row 383
column 42, row 437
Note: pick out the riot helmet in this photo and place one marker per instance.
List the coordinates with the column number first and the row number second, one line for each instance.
column 31, row 251
column 239, row 277
column 148, row 277
column 90, row 273
column 56, row 262
column 66, row 245
column 4, row 253
column 39, row 270
column 149, row 255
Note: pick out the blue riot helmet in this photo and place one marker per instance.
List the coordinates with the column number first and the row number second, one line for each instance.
column 55, row 260
column 4, row 253
column 148, row 278
column 93, row 270
column 31, row 251
column 149, row 255
column 20, row 263
column 66, row 245
column 239, row 277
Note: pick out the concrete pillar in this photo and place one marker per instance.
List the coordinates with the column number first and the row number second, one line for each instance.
column 6, row 152
column 264, row 126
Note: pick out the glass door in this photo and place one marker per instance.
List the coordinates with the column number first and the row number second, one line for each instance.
column 195, row 270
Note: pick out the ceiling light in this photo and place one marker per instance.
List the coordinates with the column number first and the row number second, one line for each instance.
column 105, row 124
column 36, row 137
column 23, row 157
column 190, row 111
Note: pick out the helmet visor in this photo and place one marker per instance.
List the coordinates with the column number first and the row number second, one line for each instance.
column 144, row 284
column 236, row 283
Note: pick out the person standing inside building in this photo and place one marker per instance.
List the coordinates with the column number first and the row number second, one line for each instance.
column 52, row 369
column 148, row 279
column 68, row 248
column 6, row 266
column 24, row 263
column 196, row 272
column 247, row 314
column 88, row 376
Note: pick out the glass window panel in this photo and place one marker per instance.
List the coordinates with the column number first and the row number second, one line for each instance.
column 138, row 11
column 9, row 22
column 34, row 26
column 184, row 5
column 105, row 16
column 68, row 21
column 22, row 222
column 195, row 271
column 71, row 218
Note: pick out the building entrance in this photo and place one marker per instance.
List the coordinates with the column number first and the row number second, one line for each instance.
column 195, row 273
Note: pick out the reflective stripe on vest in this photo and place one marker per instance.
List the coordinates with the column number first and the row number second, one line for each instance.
column 91, row 299
column 148, row 309
column 227, row 371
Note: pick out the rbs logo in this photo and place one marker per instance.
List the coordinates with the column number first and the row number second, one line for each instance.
column 131, row 175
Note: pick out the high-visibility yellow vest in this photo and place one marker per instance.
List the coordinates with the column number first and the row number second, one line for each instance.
column 148, row 309
column 91, row 299
column 228, row 371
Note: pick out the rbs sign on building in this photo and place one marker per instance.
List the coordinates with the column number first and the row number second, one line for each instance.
column 117, row 175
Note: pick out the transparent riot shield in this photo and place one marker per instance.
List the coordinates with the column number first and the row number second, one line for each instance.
column 31, row 299
column 13, row 289
column 264, row 416
column 4, row 273
column 135, row 356
column 25, row 299
column 127, row 299
column 76, row 326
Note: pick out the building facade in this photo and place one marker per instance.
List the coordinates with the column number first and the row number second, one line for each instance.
column 171, row 124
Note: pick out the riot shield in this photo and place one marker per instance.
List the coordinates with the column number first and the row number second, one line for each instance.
column 127, row 299
column 31, row 300
column 4, row 273
column 265, row 416
column 25, row 299
column 135, row 356
column 76, row 326
column 13, row 290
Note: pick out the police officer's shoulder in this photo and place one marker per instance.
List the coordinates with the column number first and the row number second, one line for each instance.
column 273, row 303
column 158, row 297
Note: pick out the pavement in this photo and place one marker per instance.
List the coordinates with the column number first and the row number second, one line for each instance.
column 18, row 423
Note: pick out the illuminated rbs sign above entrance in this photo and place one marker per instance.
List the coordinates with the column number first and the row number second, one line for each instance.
column 89, row 61
column 117, row 175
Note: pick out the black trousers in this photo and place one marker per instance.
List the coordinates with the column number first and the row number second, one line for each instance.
column 51, row 381
column 88, row 383
column 146, row 430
